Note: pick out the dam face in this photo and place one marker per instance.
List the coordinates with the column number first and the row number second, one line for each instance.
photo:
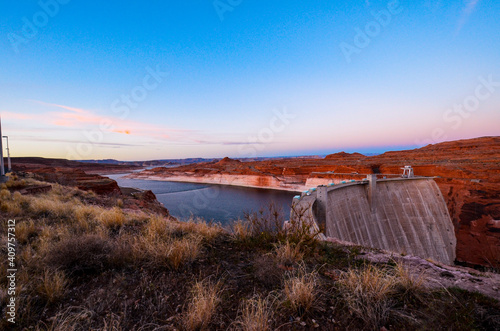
column 407, row 216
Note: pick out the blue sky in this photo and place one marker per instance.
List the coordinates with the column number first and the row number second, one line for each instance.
column 171, row 79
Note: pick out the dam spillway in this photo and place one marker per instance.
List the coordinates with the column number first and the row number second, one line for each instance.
column 403, row 215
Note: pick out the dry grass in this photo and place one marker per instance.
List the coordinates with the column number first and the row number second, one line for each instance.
column 52, row 285
column 196, row 225
column 70, row 319
column 79, row 254
column 367, row 294
column 288, row 254
column 25, row 230
column 202, row 306
column 167, row 251
column 112, row 218
column 301, row 290
column 158, row 226
column 255, row 315
column 51, row 207
column 241, row 230
column 184, row 250
column 410, row 283
column 5, row 194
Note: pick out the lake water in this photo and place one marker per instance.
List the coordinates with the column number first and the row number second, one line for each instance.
column 221, row 203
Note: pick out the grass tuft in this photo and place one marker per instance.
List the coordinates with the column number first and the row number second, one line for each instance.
column 255, row 315
column 202, row 306
column 367, row 293
column 112, row 218
column 288, row 254
column 300, row 290
column 52, row 285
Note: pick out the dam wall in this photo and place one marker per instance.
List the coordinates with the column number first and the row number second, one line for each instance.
column 403, row 215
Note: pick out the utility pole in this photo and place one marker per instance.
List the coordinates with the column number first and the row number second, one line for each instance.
column 9, row 164
column 2, row 168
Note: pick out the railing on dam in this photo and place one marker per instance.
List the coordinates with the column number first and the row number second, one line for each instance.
column 403, row 215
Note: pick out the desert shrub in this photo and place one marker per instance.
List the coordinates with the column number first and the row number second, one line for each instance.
column 268, row 225
column 119, row 203
column 85, row 216
column 202, row 305
column 80, row 254
column 52, row 285
column 255, row 314
column 410, row 284
column 301, row 290
column 158, row 226
column 5, row 195
column 241, row 230
column 50, row 208
column 288, row 254
column 173, row 252
column 184, row 250
column 25, row 231
column 112, row 218
column 198, row 225
column 367, row 294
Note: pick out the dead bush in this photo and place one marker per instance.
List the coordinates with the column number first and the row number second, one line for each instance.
column 80, row 254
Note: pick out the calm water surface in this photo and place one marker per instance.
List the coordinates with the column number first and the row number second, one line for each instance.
column 221, row 203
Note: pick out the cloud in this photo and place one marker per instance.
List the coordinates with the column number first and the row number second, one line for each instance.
column 63, row 117
column 17, row 116
column 469, row 8
column 76, row 110
column 75, row 118
column 56, row 140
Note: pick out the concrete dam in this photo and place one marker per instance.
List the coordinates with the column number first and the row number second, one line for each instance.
column 403, row 215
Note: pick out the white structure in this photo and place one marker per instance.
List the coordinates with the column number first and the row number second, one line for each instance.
column 2, row 167
column 407, row 172
column 9, row 164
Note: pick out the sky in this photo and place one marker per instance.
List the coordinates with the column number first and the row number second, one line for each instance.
column 141, row 80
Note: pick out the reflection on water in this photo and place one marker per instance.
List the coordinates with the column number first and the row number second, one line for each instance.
column 221, row 203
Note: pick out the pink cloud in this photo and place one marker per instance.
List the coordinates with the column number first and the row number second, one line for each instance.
column 78, row 118
column 18, row 116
